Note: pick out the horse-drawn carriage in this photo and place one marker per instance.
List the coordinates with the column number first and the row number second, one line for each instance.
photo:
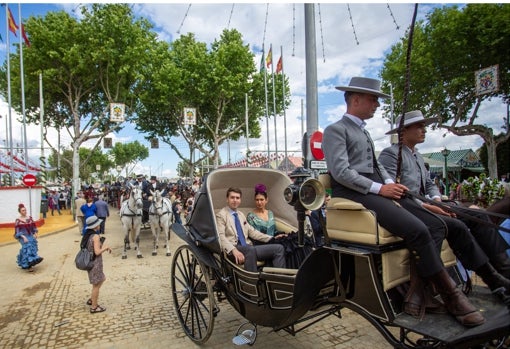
column 360, row 268
column 159, row 210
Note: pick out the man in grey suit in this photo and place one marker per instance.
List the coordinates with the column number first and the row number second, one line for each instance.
column 356, row 175
column 473, row 243
column 235, row 237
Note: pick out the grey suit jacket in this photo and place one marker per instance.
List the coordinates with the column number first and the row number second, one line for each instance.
column 414, row 174
column 228, row 233
column 349, row 151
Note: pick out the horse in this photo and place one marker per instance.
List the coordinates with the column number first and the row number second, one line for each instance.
column 131, row 218
column 160, row 218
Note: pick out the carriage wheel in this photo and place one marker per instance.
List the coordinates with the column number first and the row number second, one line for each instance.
column 192, row 294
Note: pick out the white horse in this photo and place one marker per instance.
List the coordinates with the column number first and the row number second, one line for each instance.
column 131, row 218
column 160, row 219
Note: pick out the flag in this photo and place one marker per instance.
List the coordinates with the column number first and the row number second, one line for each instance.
column 269, row 58
column 13, row 27
column 262, row 67
column 24, row 35
column 279, row 65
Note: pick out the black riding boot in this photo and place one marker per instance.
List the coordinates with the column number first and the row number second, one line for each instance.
column 501, row 263
column 456, row 302
column 492, row 278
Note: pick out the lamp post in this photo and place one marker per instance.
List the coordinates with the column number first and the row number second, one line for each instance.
column 445, row 153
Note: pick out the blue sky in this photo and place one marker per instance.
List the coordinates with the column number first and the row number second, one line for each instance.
column 345, row 48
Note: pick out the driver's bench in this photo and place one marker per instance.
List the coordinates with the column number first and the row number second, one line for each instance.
column 349, row 221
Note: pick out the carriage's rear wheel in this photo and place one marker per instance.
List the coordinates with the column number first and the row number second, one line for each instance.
column 192, row 294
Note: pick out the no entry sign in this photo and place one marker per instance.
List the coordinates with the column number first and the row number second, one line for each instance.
column 29, row 180
column 316, row 145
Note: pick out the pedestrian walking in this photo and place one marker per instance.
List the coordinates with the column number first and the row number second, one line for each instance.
column 25, row 231
column 102, row 212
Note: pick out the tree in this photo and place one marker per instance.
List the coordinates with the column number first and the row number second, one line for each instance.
column 213, row 81
column 85, row 65
column 89, row 159
column 446, row 51
column 128, row 154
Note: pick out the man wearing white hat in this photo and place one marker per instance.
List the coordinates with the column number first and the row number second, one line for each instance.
column 476, row 245
column 357, row 175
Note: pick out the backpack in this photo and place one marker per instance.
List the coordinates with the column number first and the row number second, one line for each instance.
column 84, row 260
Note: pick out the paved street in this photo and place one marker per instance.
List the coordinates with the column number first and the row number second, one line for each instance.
column 46, row 309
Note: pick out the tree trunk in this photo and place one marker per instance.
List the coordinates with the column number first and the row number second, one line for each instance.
column 76, row 185
column 492, row 162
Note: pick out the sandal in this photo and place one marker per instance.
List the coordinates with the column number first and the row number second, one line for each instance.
column 98, row 309
column 89, row 302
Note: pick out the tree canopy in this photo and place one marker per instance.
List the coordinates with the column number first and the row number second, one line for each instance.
column 128, row 154
column 215, row 81
column 85, row 65
column 447, row 49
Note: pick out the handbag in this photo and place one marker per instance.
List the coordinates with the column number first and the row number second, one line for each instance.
column 84, row 260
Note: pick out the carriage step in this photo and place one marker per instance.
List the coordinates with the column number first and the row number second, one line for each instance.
column 246, row 337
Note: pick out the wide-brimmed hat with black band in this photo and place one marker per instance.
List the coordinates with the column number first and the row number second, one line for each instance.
column 364, row 85
column 411, row 118
column 92, row 222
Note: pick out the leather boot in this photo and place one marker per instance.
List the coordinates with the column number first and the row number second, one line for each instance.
column 492, row 278
column 456, row 302
column 419, row 298
column 501, row 263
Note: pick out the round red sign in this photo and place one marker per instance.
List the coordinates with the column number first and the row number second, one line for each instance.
column 316, row 145
column 29, row 180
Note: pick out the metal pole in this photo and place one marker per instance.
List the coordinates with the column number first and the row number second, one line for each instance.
column 284, row 113
column 11, row 144
column 311, row 79
column 274, row 110
column 247, row 129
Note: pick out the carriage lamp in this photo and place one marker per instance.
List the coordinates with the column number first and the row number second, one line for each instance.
column 304, row 194
column 446, row 152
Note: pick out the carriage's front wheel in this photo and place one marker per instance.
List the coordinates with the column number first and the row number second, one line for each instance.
column 192, row 294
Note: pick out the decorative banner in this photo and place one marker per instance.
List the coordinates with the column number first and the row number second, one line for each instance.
column 107, row 143
column 117, row 112
column 487, row 80
column 190, row 116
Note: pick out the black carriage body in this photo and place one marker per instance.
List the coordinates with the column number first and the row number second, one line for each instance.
column 266, row 298
column 341, row 274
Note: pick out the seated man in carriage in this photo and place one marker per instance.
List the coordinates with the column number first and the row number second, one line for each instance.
column 235, row 234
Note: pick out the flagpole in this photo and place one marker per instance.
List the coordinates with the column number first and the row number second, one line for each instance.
column 22, row 80
column 247, row 130
column 9, row 117
column 274, row 110
column 284, row 112
column 267, row 107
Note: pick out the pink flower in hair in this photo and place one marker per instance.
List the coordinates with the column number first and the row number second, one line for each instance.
column 260, row 188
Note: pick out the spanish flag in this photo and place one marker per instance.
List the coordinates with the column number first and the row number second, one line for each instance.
column 269, row 58
column 279, row 65
column 13, row 27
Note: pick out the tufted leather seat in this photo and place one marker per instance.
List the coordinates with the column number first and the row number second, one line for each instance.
column 349, row 221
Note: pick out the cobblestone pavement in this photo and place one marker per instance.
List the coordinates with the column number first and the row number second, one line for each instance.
column 46, row 308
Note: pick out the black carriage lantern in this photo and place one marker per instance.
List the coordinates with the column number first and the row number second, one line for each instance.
column 304, row 194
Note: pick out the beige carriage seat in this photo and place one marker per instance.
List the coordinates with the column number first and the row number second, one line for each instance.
column 352, row 222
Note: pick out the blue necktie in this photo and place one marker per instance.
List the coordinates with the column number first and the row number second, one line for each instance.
column 239, row 228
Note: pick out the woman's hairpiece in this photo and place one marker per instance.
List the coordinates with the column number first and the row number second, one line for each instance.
column 260, row 188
